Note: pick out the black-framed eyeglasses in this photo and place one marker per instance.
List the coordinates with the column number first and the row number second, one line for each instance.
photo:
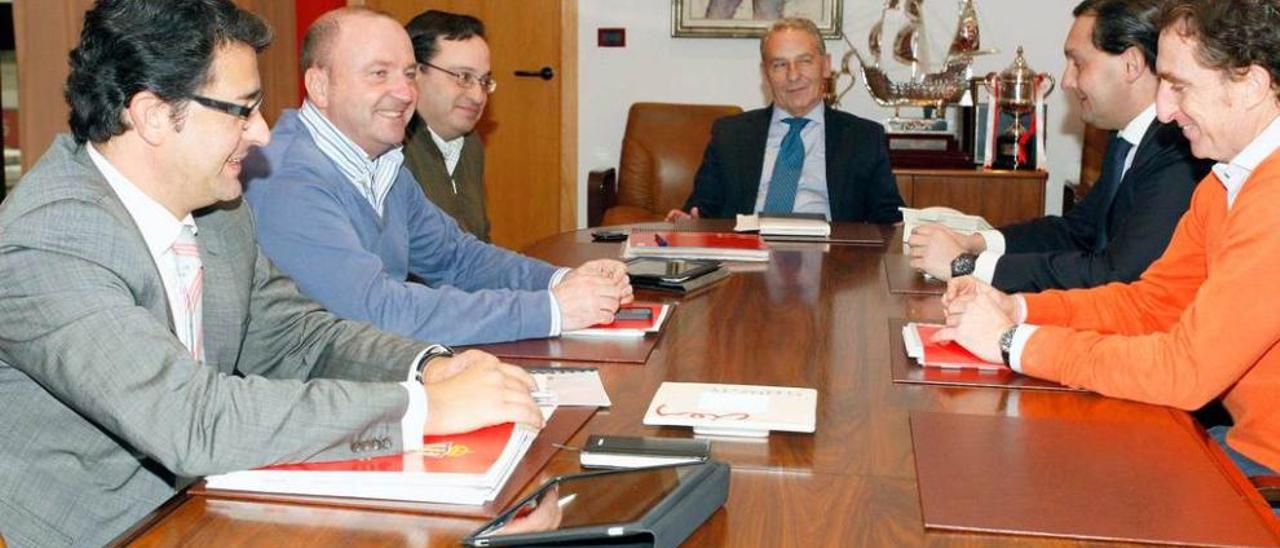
column 239, row 111
column 467, row 80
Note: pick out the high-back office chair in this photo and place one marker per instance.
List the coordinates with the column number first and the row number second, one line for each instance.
column 661, row 151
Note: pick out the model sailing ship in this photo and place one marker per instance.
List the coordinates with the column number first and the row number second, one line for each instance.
column 923, row 89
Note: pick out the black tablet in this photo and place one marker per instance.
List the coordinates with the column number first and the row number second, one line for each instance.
column 641, row 505
column 671, row 271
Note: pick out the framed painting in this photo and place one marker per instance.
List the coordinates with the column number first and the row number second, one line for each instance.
column 751, row 18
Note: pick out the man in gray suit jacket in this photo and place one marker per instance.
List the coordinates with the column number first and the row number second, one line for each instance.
column 144, row 339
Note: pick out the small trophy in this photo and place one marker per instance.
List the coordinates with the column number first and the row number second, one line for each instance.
column 1019, row 92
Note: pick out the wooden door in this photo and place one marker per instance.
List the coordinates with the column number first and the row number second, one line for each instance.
column 45, row 31
column 530, row 124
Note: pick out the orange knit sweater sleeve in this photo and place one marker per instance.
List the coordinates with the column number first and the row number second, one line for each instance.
column 1198, row 320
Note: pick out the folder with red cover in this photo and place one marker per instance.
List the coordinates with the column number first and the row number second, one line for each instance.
column 723, row 246
column 918, row 339
column 629, row 328
column 469, row 468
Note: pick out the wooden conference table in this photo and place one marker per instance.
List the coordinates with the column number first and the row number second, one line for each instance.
column 815, row 316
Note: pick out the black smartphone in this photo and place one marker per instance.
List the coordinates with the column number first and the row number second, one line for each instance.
column 633, row 314
column 607, row 235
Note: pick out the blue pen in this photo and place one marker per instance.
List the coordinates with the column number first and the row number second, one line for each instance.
column 659, row 239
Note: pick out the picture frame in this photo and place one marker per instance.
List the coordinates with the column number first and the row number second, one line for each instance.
column 751, row 18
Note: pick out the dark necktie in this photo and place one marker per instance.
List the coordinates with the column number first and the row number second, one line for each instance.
column 1109, row 183
column 786, row 170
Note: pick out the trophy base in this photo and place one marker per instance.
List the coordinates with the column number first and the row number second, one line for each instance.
column 927, row 151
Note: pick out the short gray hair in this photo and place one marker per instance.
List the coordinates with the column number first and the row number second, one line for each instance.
column 793, row 23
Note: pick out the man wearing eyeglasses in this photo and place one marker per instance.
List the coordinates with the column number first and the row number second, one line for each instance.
column 145, row 339
column 454, row 83
column 339, row 213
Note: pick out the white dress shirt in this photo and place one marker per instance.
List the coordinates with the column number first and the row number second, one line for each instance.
column 451, row 151
column 160, row 230
column 985, row 267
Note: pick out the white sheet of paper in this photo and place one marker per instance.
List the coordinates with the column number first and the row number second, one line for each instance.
column 721, row 402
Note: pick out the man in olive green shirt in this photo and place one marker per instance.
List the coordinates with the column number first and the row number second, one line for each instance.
column 454, row 84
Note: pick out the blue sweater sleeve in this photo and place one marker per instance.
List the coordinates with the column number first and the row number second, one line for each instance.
column 305, row 228
column 440, row 252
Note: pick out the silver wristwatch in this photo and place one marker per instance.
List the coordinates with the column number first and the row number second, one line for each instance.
column 434, row 351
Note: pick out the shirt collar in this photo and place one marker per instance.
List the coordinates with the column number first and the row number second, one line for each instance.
column 373, row 177
column 1235, row 173
column 456, row 143
column 817, row 115
column 160, row 229
column 1138, row 126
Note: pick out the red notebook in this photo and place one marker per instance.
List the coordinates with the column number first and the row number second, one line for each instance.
column 724, row 246
column 474, row 452
column 469, row 468
column 629, row 327
column 917, row 339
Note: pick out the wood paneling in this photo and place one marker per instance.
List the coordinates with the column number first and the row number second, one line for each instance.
column 278, row 64
column 1001, row 197
column 1095, row 147
column 530, row 125
column 47, row 30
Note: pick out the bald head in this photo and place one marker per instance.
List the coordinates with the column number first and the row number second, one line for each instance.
column 322, row 35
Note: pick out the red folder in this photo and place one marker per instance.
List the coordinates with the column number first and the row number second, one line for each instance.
column 717, row 240
column 724, row 246
column 948, row 354
column 472, row 452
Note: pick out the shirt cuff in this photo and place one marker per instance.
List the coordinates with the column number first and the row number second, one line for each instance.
column 985, row 267
column 1020, row 336
column 1020, row 315
column 414, row 421
column 558, row 277
column 994, row 239
column 555, row 305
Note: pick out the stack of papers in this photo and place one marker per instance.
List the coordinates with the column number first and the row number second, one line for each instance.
column 718, row 246
column 627, row 328
column 916, row 338
column 945, row 216
column 733, row 409
column 467, row 469
column 803, row 226
column 572, row 386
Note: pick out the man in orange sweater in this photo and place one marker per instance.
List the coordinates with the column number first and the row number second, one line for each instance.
column 1201, row 323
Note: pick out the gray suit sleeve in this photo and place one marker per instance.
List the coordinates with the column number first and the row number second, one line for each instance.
column 73, row 324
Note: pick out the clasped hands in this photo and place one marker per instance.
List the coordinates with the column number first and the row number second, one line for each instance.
column 977, row 314
column 591, row 294
column 933, row 247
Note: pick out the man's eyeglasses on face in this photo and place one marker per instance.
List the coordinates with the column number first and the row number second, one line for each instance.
column 467, row 80
column 239, row 111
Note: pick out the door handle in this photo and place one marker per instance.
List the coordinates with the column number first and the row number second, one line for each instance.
column 546, row 73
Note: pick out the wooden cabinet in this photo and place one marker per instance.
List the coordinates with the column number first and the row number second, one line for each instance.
column 1001, row 197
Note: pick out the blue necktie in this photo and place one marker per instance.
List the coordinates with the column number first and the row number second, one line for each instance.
column 1109, row 183
column 786, row 171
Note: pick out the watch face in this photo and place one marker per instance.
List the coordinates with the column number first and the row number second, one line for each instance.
column 1006, row 339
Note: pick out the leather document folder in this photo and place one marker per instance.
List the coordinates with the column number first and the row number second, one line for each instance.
column 577, row 349
column 905, row 370
column 906, row 280
column 1083, row 479
column 563, row 425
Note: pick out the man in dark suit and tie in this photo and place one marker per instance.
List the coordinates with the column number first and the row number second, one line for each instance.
column 1148, row 173
column 145, row 340
column 798, row 155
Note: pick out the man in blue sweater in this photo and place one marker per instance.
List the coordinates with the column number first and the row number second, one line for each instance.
column 337, row 211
